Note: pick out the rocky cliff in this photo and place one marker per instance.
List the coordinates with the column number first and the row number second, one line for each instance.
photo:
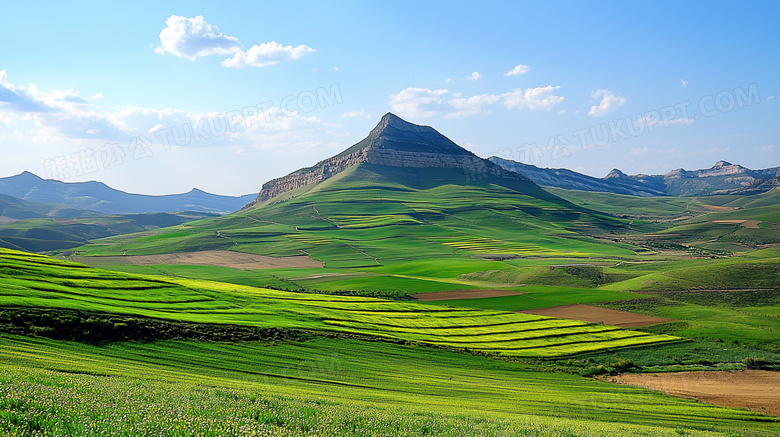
column 394, row 143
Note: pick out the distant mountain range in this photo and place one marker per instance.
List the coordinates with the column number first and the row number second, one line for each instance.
column 722, row 178
column 99, row 197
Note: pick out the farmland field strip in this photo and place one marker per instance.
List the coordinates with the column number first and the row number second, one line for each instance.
column 574, row 339
column 574, row 349
column 460, row 331
column 481, row 344
column 443, row 323
column 47, row 293
column 96, row 291
column 536, row 335
column 83, row 281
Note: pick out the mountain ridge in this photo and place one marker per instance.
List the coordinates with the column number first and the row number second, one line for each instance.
column 99, row 197
column 722, row 178
column 394, row 142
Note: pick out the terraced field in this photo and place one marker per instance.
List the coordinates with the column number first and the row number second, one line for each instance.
column 38, row 281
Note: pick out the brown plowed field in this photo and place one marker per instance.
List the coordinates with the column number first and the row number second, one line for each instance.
column 587, row 313
column 758, row 390
column 463, row 294
column 222, row 258
column 751, row 224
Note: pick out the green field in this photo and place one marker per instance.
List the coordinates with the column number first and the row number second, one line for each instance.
column 37, row 281
column 327, row 387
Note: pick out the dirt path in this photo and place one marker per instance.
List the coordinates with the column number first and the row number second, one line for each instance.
column 592, row 314
column 463, row 294
column 222, row 258
column 758, row 390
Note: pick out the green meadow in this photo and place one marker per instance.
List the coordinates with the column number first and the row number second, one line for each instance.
column 320, row 386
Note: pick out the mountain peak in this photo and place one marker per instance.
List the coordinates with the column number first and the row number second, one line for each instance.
column 394, row 142
column 722, row 164
column 615, row 173
column 392, row 121
column 29, row 175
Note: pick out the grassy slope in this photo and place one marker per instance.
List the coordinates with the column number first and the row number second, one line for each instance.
column 37, row 281
column 381, row 221
column 335, row 386
column 48, row 234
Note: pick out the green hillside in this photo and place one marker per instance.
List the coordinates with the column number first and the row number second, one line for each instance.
column 12, row 208
column 41, row 282
column 377, row 221
column 50, row 234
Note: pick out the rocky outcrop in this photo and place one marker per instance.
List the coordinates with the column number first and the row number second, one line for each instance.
column 394, row 143
column 615, row 182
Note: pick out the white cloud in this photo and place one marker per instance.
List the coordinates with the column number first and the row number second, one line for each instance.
column 540, row 98
column 474, row 76
column 448, row 80
column 471, row 105
column 765, row 149
column 423, row 102
column 193, row 38
column 417, row 102
column 356, row 114
column 285, row 134
column 265, row 54
column 683, row 82
column 770, row 98
column 519, row 69
column 13, row 98
column 609, row 102
column 645, row 121
column 86, row 125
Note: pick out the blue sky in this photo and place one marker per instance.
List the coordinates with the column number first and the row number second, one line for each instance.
column 160, row 98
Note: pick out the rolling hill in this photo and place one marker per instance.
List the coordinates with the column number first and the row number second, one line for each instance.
column 12, row 209
column 50, row 234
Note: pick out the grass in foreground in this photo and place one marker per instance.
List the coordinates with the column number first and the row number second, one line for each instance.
column 323, row 387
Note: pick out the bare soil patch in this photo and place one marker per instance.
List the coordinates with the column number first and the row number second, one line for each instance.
column 719, row 208
column 587, row 313
column 463, row 294
column 4, row 220
column 758, row 390
column 752, row 224
column 222, row 258
column 65, row 221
